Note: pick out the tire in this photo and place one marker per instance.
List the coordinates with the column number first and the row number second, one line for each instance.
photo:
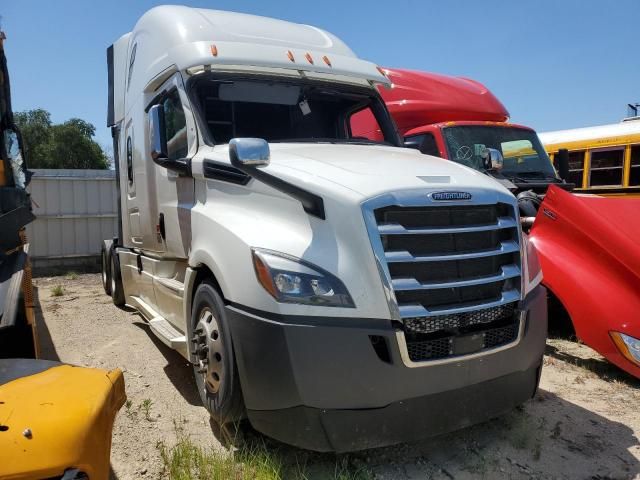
column 117, row 292
column 106, row 270
column 215, row 368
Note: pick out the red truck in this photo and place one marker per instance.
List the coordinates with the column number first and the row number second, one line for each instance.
column 588, row 246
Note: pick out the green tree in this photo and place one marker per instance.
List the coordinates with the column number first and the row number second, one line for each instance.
column 66, row 145
column 35, row 126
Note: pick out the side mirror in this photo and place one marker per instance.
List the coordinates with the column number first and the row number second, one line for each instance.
column 562, row 163
column 157, row 136
column 492, row 159
column 158, row 144
column 414, row 142
column 248, row 152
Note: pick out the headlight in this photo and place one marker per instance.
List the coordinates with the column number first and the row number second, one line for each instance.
column 628, row 346
column 532, row 275
column 291, row 280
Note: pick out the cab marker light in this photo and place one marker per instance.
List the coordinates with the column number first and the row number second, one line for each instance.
column 628, row 346
column 309, row 58
column 290, row 56
column 326, row 60
column 214, row 50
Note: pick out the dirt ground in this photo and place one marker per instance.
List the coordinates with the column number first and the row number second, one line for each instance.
column 584, row 423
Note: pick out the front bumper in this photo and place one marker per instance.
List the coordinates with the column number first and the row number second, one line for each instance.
column 319, row 383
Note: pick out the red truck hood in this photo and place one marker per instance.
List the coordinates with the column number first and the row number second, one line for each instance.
column 589, row 250
column 609, row 222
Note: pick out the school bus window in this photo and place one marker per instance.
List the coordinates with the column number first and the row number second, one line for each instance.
column 576, row 167
column 606, row 167
column 634, row 176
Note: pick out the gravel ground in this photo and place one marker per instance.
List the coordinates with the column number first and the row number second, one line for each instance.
column 584, row 423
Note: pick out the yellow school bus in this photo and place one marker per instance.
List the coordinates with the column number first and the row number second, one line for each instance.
column 603, row 160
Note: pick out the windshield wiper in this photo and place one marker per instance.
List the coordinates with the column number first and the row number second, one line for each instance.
column 303, row 140
column 531, row 177
column 333, row 141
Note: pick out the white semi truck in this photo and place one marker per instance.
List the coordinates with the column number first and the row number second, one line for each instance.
column 340, row 293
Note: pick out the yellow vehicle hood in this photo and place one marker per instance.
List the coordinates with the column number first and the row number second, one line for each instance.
column 55, row 417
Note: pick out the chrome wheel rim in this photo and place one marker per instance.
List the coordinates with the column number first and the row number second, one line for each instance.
column 209, row 351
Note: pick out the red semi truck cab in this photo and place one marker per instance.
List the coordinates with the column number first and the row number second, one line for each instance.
column 458, row 119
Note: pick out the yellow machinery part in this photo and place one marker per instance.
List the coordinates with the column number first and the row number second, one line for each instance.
column 58, row 419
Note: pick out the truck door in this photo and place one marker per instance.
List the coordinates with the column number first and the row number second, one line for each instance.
column 175, row 195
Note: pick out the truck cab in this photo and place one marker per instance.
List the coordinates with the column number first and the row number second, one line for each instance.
column 460, row 119
column 341, row 292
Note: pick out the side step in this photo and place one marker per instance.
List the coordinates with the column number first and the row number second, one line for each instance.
column 162, row 329
column 169, row 335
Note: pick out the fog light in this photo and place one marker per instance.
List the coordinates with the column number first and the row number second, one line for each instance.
column 628, row 346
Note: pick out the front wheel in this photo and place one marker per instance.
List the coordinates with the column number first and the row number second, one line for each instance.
column 214, row 366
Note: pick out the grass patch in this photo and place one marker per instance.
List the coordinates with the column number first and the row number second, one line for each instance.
column 187, row 460
column 72, row 275
column 57, row 291
column 145, row 406
column 127, row 405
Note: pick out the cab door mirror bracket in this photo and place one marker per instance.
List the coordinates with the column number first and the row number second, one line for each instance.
column 247, row 154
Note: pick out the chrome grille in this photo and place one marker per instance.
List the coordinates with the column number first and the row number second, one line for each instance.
column 455, row 272
column 442, row 258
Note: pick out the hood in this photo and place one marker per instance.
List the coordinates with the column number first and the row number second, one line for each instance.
column 371, row 170
column 366, row 171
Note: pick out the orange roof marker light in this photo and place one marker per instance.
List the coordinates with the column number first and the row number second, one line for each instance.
column 290, row 55
column 214, row 50
column 326, row 60
column 309, row 58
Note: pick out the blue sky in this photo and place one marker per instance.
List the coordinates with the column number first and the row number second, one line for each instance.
column 554, row 64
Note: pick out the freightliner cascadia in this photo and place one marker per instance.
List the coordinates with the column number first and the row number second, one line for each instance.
column 341, row 293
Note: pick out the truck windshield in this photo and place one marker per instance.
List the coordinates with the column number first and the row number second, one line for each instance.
column 522, row 151
column 285, row 110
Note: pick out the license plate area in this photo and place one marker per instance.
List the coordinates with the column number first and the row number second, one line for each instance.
column 468, row 344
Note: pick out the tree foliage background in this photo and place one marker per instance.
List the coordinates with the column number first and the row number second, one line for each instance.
column 64, row 145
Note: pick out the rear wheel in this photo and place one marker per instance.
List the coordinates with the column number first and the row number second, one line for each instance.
column 106, row 272
column 117, row 292
column 214, row 366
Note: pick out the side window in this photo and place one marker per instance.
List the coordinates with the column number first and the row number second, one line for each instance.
column 129, row 160
column 132, row 60
column 175, row 126
column 606, row 167
column 363, row 124
column 425, row 142
column 634, row 177
column 576, row 167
